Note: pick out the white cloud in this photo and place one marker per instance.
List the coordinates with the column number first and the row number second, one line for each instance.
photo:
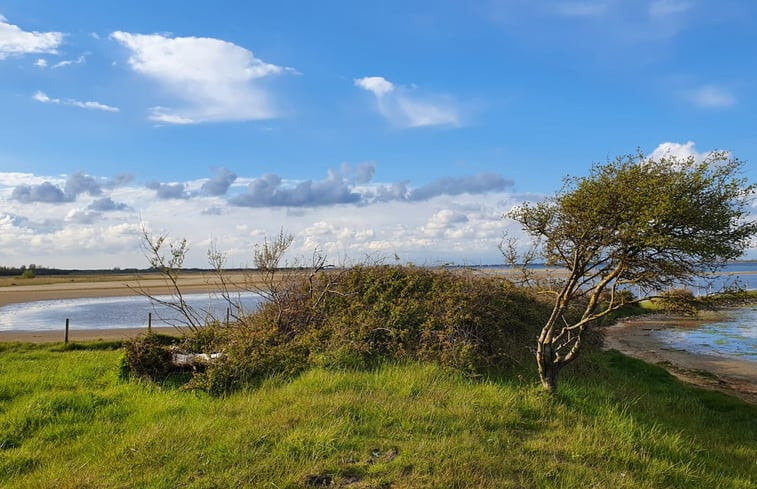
column 711, row 97
column 463, row 227
column 40, row 63
column 92, row 105
column 214, row 79
column 15, row 41
column 402, row 107
column 680, row 151
column 80, row 60
column 376, row 84
column 40, row 96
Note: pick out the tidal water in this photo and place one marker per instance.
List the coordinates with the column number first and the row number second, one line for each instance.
column 109, row 312
column 734, row 335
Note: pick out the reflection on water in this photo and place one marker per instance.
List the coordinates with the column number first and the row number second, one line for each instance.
column 735, row 335
column 108, row 312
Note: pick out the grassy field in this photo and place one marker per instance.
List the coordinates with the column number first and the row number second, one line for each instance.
column 67, row 421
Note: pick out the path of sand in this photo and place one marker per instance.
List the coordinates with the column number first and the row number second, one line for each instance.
column 634, row 338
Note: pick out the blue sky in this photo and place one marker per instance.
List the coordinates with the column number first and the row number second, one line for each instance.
column 363, row 128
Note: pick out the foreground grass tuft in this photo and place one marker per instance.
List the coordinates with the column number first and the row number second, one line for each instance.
column 66, row 420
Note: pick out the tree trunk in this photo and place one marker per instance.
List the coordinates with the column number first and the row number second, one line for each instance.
column 547, row 367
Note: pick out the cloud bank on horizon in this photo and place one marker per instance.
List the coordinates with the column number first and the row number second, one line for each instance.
column 67, row 220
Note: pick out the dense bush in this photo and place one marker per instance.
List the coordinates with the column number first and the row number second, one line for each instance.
column 679, row 301
column 147, row 356
column 362, row 316
column 359, row 318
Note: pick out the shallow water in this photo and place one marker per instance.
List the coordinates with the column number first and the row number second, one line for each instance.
column 734, row 335
column 108, row 312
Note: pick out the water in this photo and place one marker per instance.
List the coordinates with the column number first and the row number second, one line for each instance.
column 108, row 312
column 735, row 335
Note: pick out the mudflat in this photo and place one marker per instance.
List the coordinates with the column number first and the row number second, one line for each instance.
column 635, row 338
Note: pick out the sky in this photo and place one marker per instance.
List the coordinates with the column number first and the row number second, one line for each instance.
column 368, row 130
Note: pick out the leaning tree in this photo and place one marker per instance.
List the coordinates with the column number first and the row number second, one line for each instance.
column 634, row 223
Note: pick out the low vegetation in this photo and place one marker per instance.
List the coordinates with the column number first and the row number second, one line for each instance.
column 67, row 420
column 358, row 318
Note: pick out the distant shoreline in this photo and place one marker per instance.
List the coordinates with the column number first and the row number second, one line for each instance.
column 189, row 283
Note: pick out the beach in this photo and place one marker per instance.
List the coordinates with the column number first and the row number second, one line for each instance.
column 635, row 338
column 62, row 288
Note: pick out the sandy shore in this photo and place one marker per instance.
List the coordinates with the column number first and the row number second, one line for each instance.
column 635, row 338
column 75, row 335
column 191, row 283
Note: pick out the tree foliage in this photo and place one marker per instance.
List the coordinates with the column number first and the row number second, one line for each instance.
column 633, row 222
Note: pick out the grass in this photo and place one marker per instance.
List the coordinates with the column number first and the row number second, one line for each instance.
column 67, row 421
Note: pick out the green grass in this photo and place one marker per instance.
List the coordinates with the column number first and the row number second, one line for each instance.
column 67, row 421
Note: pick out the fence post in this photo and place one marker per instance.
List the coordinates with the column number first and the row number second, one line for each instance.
column 65, row 338
column 149, row 322
column 228, row 312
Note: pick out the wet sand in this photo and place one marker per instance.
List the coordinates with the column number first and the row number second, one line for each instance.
column 635, row 338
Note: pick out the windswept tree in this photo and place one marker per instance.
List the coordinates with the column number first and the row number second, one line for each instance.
column 635, row 224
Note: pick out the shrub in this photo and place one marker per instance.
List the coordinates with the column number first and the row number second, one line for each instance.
column 28, row 273
column 679, row 301
column 362, row 316
column 147, row 356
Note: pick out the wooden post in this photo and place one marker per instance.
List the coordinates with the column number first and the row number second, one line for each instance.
column 228, row 312
column 65, row 338
column 149, row 322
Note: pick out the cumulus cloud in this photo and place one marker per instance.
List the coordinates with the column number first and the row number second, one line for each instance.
column 364, row 172
column 215, row 79
column 76, row 184
column 680, row 151
column 169, row 190
column 107, row 204
column 445, row 219
column 82, row 216
column 42, row 97
column 402, row 107
column 378, row 85
column 711, row 97
column 44, row 192
column 10, row 220
column 220, row 183
column 15, row 41
column 269, row 190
